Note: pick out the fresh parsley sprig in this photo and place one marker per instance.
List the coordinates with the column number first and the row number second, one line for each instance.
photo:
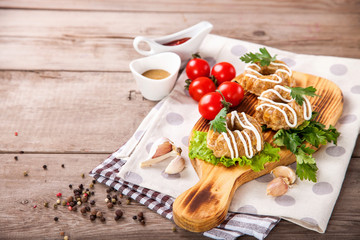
column 263, row 57
column 218, row 124
column 298, row 93
column 312, row 132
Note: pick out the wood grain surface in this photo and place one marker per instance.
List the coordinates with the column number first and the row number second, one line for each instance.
column 65, row 85
column 206, row 204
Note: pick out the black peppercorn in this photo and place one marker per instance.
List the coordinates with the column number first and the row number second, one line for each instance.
column 134, row 217
column 108, row 190
column 81, row 186
column 70, row 186
column 83, row 210
column 116, row 218
column 56, row 219
column 102, row 219
column 74, row 208
column 92, row 217
column 44, row 167
column 99, row 214
column 141, row 215
column 63, row 165
column 92, row 193
column 118, row 213
column 87, row 208
column 83, row 175
column 142, row 221
column 92, row 202
column 93, row 181
column 16, row 158
column 110, row 205
column 72, row 204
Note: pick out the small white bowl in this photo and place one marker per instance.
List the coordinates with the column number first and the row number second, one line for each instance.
column 196, row 33
column 151, row 89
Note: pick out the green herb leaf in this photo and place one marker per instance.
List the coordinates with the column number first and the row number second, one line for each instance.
column 312, row 132
column 219, row 122
column 263, row 57
column 297, row 93
column 198, row 149
column 306, row 171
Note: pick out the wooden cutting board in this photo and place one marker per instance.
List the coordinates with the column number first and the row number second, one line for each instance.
column 206, row 204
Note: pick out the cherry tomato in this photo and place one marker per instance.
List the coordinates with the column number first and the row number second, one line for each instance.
column 223, row 72
column 232, row 92
column 201, row 86
column 210, row 105
column 197, row 67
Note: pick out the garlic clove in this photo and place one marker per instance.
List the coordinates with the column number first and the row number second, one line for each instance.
column 176, row 165
column 284, row 172
column 277, row 187
column 162, row 149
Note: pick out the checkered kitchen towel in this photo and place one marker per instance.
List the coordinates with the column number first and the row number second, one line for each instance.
column 235, row 224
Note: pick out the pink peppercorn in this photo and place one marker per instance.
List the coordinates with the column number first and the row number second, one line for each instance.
column 59, row 195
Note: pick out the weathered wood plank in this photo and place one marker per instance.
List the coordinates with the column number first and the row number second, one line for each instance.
column 68, row 112
column 356, row 152
column 187, row 5
column 42, row 185
column 99, row 41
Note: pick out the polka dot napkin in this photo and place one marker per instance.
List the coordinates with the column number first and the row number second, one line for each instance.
column 306, row 203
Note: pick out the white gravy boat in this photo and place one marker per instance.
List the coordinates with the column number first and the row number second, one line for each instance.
column 196, row 33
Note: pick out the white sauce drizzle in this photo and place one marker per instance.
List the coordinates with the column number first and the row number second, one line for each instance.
column 234, row 142
column 227, row 140
column 307, row 109
column 288, row 72
column 251, row 127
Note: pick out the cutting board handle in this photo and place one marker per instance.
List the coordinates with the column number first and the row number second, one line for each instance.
column 206, row 204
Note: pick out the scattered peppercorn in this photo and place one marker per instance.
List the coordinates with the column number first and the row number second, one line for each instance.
column 74, row 208
column 71, row 204
column 66, row 238
column 108, row 190
column 174, row 229
column 116, row 218
column 118, row 213
column 134, row 217
column 63, row 165
column 142, row 221
column 35, row 206
column 55, row 206
column 70, row 186
column 87, row 208
column 56, row 219
column 110, row 205
column 62, row 233
column 44, row 167
column 91, row 185
column 79, row 203
column 141, row 215
column 99, row 214
column 81, row 186
column 94, row 181
column 92, row 202
column 83, row 210
column 70, row 208
column 62, row 203
column 16, row 134
column 106, row 200
column 92, row 217
column 128, row 201
column 121, row 196
column 58, row 195
column 16, row 158
column 102, row 219
column 46, row 204
column 119, row 202
column 94, row 212
column 83, row 175
column 113, row 200
column 92, row 193
column 70, row 199
column 26, row 174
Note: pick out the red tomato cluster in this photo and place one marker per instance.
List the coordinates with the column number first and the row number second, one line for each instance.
column 202, row 87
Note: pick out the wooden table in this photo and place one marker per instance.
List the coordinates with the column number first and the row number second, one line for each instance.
column 65, row 87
